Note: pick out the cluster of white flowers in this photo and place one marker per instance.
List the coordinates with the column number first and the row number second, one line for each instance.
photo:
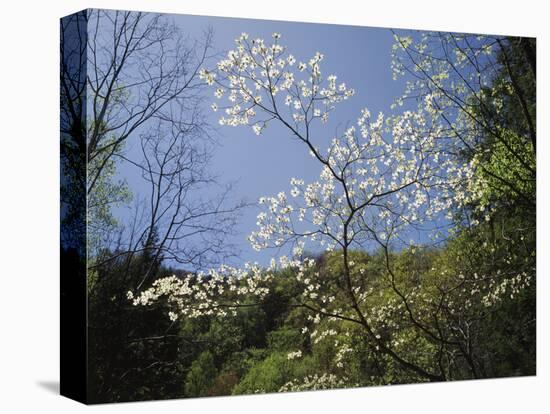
column 507, row 287
column 261, row 76
column 218, row 292
column 316, row 382
column 387, row 175
column 207, row 76
column 294, row 355
column 388, row 314
column 317, row 336
column 386, row 185
column 343, row 350
column 453, row 75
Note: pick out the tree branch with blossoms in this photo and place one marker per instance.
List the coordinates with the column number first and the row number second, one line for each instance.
column 371, row 188
column 381, row 180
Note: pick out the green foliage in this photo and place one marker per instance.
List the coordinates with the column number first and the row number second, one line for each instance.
column 286, row 338
column 133, row 352
column 270, row 374
column 201, row 376
column 104, row 192
column 508, row 171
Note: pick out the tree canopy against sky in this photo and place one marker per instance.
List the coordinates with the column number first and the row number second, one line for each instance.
column 378, row 180
column 251, row 164
column 379, row 210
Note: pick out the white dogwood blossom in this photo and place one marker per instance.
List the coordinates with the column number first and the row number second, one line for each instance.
column 316, row 382
column 454, row 81
column 257, row 77
column 294, row 355
column 218, row 292
column 371, row 188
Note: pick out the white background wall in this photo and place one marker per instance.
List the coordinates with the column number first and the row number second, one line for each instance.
column 29, row 266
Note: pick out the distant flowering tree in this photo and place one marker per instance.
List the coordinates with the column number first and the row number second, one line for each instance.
column 380, row 181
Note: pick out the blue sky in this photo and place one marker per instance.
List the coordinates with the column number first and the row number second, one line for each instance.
column 263, row 165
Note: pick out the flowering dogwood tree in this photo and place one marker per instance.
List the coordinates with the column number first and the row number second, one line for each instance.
column 380, row 180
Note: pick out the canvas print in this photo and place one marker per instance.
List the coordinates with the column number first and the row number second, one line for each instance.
column 253, row 206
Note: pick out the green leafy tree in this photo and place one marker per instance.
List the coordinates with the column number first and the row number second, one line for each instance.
column 201, row 376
